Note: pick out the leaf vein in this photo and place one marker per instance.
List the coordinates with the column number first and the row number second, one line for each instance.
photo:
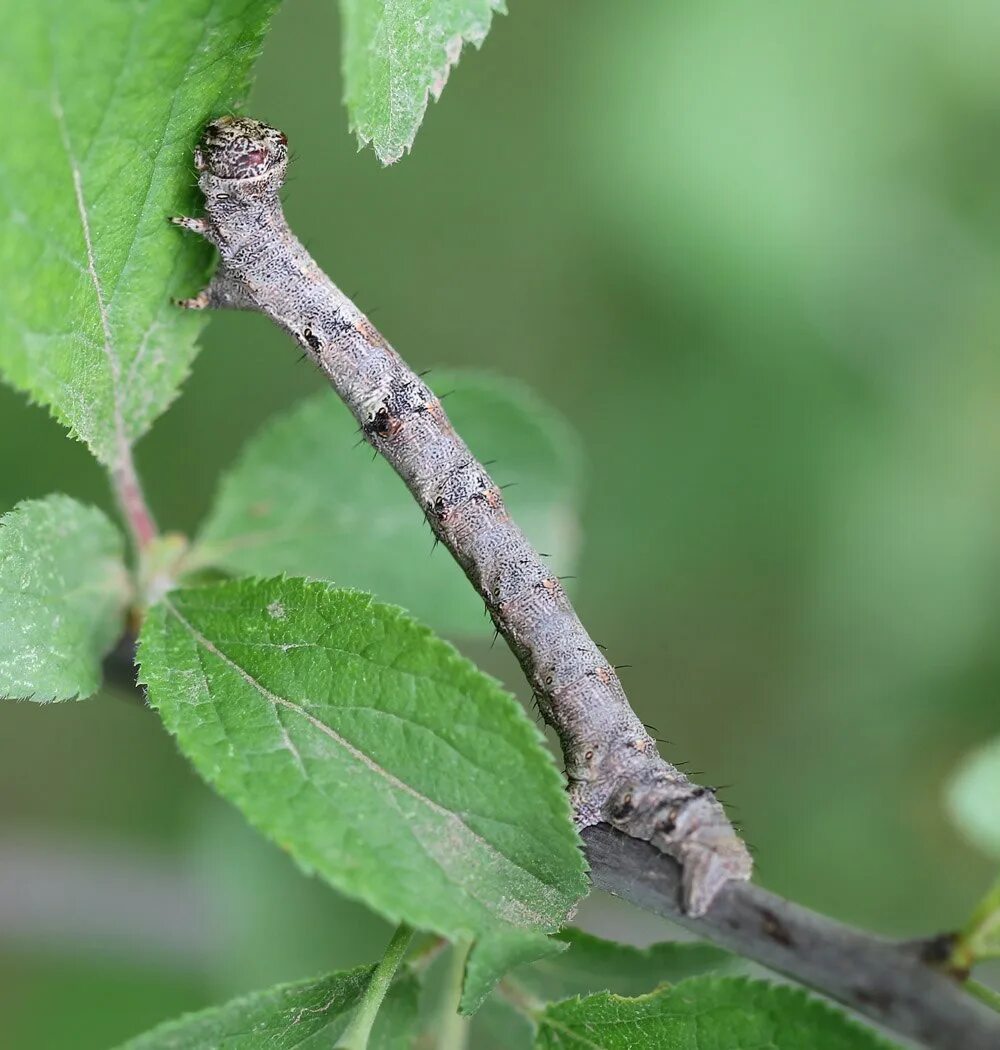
column 360, row 756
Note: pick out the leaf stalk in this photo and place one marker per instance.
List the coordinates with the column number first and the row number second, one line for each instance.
column 132, row 501
column 357, row 1033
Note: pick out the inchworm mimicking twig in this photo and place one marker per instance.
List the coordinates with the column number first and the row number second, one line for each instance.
column 615, row 773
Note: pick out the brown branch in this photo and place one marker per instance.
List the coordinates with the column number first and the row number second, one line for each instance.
column 678, row 855
column 899, row 984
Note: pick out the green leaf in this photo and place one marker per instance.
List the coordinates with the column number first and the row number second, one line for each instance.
column 63, row 592
column 370, row 750
column 592, row 964
column 704, row 1013
column 101, row 104
column 981, row 937
column 589, row 965
column 305, row 501
column 306, row 1015
column 395, row 55
column 490, row 958
column 973, row 795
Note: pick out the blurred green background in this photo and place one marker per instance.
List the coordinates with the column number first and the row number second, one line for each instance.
column 753, row 253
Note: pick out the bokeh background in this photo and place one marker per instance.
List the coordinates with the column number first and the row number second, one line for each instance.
column 752, row 251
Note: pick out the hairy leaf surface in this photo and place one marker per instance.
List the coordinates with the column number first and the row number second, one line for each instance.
column 304, row 500
column 396, row 55
column 63, row 591
column 704, row 1013
column 371, row 751
column 306, row 1015
column 102, row 103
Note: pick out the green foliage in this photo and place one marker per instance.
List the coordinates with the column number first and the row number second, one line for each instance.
column 102, row 103
column 592, row 964
column 301, row 501
column 306, row 1015
column 973, row 794
column 704, row 1013
column 63, row 591
column 357, row 1034
column 395, row 55
column 491, row 958
column 372, row 752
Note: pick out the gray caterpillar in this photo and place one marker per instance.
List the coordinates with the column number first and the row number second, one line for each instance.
column 614, row 771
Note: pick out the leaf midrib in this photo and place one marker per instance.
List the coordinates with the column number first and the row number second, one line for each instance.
column 114, row 365
column 120, row 384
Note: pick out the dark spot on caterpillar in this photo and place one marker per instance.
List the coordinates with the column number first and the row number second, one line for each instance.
column 311, row 338
column 669, row 823
column 622, row 809
column 382, row 424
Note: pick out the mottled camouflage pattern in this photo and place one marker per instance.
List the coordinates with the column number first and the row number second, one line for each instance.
column 615, row 772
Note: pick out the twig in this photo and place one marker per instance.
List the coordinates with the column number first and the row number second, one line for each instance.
column 616, row 775
column 896, row 984
column 614, row 770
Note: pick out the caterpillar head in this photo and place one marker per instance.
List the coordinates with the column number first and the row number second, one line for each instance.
column 238, row 148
